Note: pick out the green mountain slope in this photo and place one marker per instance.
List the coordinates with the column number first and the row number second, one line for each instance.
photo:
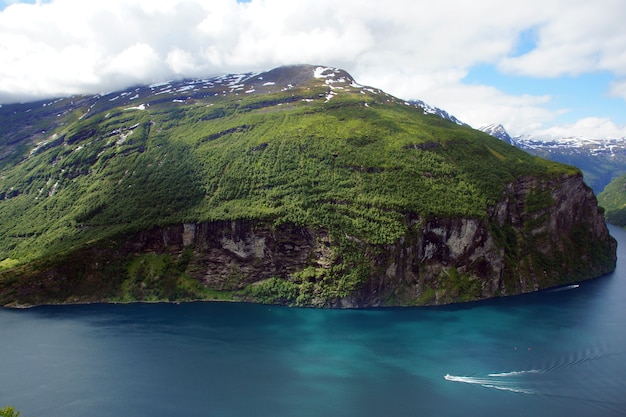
column 297, row 146
column 613, row 200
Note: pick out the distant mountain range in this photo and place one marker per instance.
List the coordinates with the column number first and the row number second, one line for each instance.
column 601, row 160
column 498, row 131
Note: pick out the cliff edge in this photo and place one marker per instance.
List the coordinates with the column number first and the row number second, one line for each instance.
column 541, row 234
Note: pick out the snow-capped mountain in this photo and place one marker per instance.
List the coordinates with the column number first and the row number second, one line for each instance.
column 428, row 109
column 20, row 123
column 498, row 131
column 601, row 160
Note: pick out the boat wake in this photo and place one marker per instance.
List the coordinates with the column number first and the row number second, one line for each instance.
column 565, row 288
column 570, row 376
column 506, row 381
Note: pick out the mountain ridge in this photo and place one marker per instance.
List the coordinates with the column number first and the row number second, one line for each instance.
column 293, row 186
column 601, row 160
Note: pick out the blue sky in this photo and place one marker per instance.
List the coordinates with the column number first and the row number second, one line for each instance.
column 539, row 67
column 582, row 96
column 5, row 3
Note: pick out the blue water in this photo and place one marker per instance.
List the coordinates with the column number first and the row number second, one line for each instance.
column 557, row 353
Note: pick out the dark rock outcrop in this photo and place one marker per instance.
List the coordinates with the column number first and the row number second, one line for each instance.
column 541, row 234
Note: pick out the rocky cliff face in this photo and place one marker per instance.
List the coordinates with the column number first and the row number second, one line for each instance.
column 541, row 234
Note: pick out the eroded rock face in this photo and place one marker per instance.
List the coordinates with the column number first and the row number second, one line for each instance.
column 231, row 255
column 542, row 233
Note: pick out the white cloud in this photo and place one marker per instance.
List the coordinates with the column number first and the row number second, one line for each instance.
column 413, row 49
column 181, row 62
column 589, row 127
column 575, row 37
column 618, row 88
column 135, row 63
column 483, row 105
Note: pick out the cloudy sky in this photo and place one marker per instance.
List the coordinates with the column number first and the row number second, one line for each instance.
column 536, row 66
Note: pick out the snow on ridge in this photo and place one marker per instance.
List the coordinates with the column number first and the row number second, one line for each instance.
column 185, row 88
column 319, row 72
column 330, row 95
column 573, row 141
column 161, row 84
column 139, row 107
column 579, row 143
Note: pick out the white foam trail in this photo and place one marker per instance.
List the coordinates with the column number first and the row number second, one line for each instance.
column 520, row 390
column 568, row 287
column 467, row 379
column 515, row 373
column 494, row 381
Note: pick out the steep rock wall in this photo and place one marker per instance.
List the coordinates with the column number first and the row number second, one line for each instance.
column 542, row 233
column 231, row 255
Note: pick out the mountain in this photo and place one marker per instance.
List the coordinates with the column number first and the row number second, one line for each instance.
column 428, row 109
column 498, row 131
column 600, row 160
column 613, row 200
column 293, row 186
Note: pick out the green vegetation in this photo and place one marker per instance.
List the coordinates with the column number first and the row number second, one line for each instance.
column 358, row 166
column 335, row 164
column 456, row 287
column 9, row 412
column 613, row 200
column 598, row 168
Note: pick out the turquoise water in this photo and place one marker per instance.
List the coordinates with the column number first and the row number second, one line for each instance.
column 557, row 353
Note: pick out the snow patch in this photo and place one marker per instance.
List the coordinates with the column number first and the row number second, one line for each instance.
column 185, row 88
column 161, row 84
column 139, row 107
column 324, row 72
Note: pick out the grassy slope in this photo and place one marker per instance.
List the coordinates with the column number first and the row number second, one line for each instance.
column 613, row 200
column 356, row 163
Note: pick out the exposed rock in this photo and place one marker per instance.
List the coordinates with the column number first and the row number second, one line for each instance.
column 541, row 234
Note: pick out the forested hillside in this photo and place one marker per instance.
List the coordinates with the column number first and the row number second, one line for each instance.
column 300, row 146
column 613, row 200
